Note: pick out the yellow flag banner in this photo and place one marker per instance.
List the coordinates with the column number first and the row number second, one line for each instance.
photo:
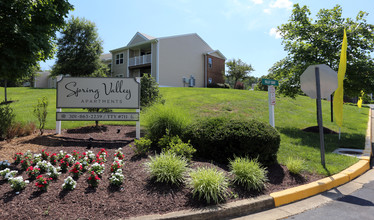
column 339, row 93
column 359, row 102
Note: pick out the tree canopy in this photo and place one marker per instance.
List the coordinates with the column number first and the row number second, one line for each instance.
column 27, row 33
column 79, row 50
column 318, row 41
column 238, row 70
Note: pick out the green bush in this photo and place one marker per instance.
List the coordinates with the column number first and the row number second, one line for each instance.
column 209, row 183
column 221, row 138
column 167, row 168
column 141, row 146
column 295, row 165
column 248, row 173
column 149, row 91
column 160, row 117
column 167, row 139
column 7, row 118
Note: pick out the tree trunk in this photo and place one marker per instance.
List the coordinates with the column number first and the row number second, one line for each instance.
column 5, row 94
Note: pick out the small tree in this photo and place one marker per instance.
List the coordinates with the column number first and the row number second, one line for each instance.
column 40, row 112
column 149, row 91
column 238, row 70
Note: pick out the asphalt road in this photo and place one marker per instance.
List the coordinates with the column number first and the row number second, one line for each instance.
column 358, row 205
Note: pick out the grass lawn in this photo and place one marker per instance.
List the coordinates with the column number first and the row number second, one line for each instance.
column 291, row 115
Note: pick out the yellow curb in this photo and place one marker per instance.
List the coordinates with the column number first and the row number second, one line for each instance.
column 307, row 190
column 357, row 169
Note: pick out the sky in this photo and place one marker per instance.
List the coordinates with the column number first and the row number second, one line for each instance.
column 240, row 29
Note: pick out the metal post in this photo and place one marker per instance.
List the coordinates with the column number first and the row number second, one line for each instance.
column 271, row 108
column 58, row 123
column 332, row 107
column 138, row 126
column 319, row 117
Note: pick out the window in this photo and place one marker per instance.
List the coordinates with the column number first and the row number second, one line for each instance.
column 119, row 58
column 210, row 62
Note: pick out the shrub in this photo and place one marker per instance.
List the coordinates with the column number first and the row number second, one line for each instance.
column 7, row 118
column 141, row 146
column 209, row 183
column 219, row 85
column 222, row 138
column 159, row 117
column 149, row 93
column 167, row 168
column 295, row 165
column 248, row 173
column 167, row 139
column 40, row 112
column 179, row 148
column 239, row 85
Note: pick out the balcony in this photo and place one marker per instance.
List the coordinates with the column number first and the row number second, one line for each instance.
column 140, row 60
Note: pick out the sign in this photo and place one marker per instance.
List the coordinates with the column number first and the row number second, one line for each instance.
column 102, row 116
column 272, row 95
column 73, row 92
column 94, row 92
column 328, row 81
column 270, row 82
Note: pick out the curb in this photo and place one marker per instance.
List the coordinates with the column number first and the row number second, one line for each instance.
column 250, row 206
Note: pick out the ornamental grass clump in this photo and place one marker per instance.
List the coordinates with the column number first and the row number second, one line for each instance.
column 93, row 180
column 42, row 182
column 167, row 168
column 209, row 184
column 295, row 165
column 69, row 183
column 116, row 178
column 248, row 173
column 17, row 183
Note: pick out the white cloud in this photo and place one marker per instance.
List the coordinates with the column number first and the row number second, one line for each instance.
column 258, row 2
column 281, row 4
column 267, row 11
column 275, row 33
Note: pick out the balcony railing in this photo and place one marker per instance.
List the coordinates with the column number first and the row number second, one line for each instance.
column 140, row 60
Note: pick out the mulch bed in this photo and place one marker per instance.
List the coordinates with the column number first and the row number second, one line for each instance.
column 138, row 195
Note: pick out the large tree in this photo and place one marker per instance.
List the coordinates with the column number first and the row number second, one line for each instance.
column 79, row 50
column 27, row 34
column 238, row 70
column 318, row 41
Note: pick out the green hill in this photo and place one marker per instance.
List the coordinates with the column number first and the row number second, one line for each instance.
column 291, row 116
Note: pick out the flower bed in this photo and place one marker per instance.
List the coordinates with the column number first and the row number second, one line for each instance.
column 137, row 195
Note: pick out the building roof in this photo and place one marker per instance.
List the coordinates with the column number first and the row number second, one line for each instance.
column 106, row 56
